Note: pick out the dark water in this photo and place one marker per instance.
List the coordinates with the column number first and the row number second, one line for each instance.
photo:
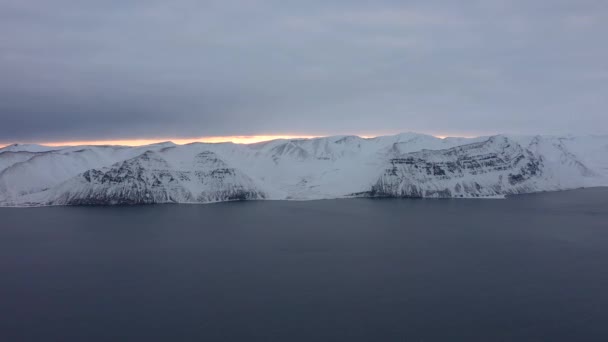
column 529, row 268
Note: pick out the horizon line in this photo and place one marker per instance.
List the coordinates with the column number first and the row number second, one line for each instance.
column 237, row 139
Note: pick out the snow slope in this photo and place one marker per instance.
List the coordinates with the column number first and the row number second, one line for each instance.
column 403, row 165
column 27, row 148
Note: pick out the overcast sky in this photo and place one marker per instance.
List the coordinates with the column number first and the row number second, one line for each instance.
column 108, row 69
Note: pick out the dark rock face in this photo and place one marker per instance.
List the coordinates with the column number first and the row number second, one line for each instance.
column 141, row 180
column 331, row 167
column 222, row 182
column 474, row 170
column 149, row 179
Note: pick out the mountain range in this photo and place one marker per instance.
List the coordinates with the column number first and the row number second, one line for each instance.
column 402, row 165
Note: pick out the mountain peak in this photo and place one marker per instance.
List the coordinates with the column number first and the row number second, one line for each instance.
column 402, row 165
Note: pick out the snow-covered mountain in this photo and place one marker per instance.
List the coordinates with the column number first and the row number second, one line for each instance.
column 403, row 165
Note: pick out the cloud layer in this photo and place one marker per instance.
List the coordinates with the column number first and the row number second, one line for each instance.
column 78, row 69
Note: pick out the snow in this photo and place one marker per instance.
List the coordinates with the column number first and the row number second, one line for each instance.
column 407, row 164
column 27, row 148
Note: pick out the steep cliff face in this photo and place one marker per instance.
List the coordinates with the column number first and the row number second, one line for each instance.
column 141, row 180
column 404, row 165
column 150, row 178
column 211, row 179
column 498, row 166
column 40, row 171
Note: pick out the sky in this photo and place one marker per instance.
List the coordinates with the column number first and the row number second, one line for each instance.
column 83, row 70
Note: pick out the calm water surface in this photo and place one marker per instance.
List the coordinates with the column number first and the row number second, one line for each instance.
column 528, row 268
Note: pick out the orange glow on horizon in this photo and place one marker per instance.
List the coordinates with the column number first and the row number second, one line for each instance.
column 240, row 139
column 237, row 139
column 244, row 139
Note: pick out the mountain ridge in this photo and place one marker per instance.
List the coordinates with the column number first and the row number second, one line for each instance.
column 402, row 165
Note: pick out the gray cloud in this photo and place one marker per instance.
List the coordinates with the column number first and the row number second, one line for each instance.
column 74, row 69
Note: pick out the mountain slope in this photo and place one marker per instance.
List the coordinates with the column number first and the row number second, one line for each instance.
column 152, row 178
column 494, row 167
column 404, row 165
